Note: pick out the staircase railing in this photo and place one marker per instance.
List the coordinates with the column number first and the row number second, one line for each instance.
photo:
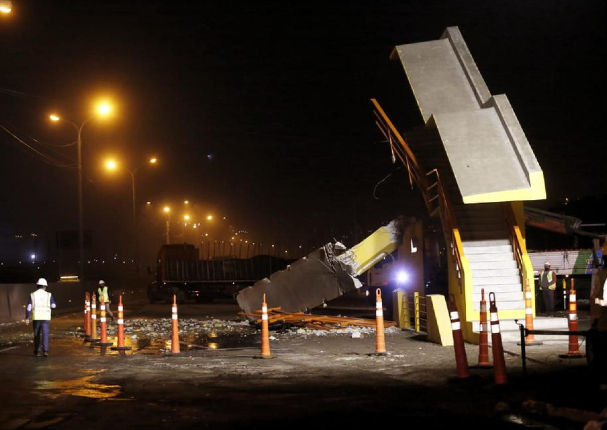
column 434, row 194
column 519, row 249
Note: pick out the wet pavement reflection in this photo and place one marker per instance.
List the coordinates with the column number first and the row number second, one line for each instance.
column 80, row 387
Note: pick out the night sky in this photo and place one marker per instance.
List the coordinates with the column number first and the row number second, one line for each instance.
column 259, row 111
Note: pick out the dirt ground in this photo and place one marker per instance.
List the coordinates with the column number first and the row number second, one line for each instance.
column 315, row 379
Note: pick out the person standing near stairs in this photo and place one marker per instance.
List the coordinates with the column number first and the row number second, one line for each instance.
column 548, row 287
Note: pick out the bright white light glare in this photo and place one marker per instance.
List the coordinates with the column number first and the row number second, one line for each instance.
column 6, row 6
column 402, row 277
column 33, row 256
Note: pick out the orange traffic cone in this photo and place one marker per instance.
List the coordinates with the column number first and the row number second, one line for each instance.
column 499, row 363
column 120, row 330
column 461, row 360
column 574, row 348
column 483, row 336
column 265, row 331
column 175, row 328
column 93, row 337
column 380, row 338
column 529, row 339
column 103, row 324
column 87, row 315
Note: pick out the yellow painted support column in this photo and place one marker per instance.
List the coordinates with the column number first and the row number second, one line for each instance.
column 417, row 315
column 438, row 320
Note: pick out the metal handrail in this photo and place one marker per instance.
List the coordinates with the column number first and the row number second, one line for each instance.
column 405, row 154
column 518, row 244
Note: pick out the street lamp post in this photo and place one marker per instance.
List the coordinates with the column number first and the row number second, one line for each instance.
column 167, row 210
column 102, row 110
column 112, row 165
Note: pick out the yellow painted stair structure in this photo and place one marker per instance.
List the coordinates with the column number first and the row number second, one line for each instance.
column 474, row 166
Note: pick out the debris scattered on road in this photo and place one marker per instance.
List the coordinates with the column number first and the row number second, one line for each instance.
column 315, row 322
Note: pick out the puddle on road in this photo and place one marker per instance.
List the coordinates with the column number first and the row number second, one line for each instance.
column 193, row 341
column 80, row 387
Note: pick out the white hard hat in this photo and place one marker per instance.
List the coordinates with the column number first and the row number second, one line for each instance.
column 547, row 263
column 42, row 281
column 101, row 282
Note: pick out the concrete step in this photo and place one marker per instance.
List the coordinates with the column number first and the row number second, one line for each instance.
column 500, row 297
column 495, row 280
column 487, row 273
column 483, row 235
column 496, row 249
column 502, row 305
column 497, row 242
column 490, row 265
column 511, row 333
column 503, row 256
column 504, row 288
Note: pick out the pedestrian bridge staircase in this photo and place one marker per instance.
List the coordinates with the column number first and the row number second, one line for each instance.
column 474, row 166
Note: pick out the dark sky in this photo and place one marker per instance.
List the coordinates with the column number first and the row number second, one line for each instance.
column 278, row 94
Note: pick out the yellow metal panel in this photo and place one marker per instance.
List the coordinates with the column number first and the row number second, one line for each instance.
column 438, row 320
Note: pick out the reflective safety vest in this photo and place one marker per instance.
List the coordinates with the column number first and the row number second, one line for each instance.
column 547, row 280
column 41, row 305
column 102, row 294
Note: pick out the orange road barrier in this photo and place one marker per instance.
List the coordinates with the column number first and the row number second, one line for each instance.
column 175, row 328
column 120, row 330
column 87, row 314
column 461, row 361
column 574, row 348
column 265, row 331
column 499, row 363
column 93, row 337
column 380, row 337
column 529, row 339
column 483, row 336
column 103, row 324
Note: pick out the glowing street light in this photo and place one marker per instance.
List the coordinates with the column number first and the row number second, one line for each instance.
column 111, row 165
column 209, row 217
column 186, row 218
column 6, row 7
column 102, row 110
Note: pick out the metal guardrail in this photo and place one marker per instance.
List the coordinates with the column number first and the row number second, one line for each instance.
column 415, row 314
column 526, row 332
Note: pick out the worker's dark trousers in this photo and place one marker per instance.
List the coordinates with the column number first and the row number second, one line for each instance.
column 41, row 331
column 548, row 296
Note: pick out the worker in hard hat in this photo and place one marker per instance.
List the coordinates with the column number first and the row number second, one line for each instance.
column 39, row 310
column 548, row 287
column 103, row 295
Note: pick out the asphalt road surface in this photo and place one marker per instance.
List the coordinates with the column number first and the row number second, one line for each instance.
column 315, row 380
